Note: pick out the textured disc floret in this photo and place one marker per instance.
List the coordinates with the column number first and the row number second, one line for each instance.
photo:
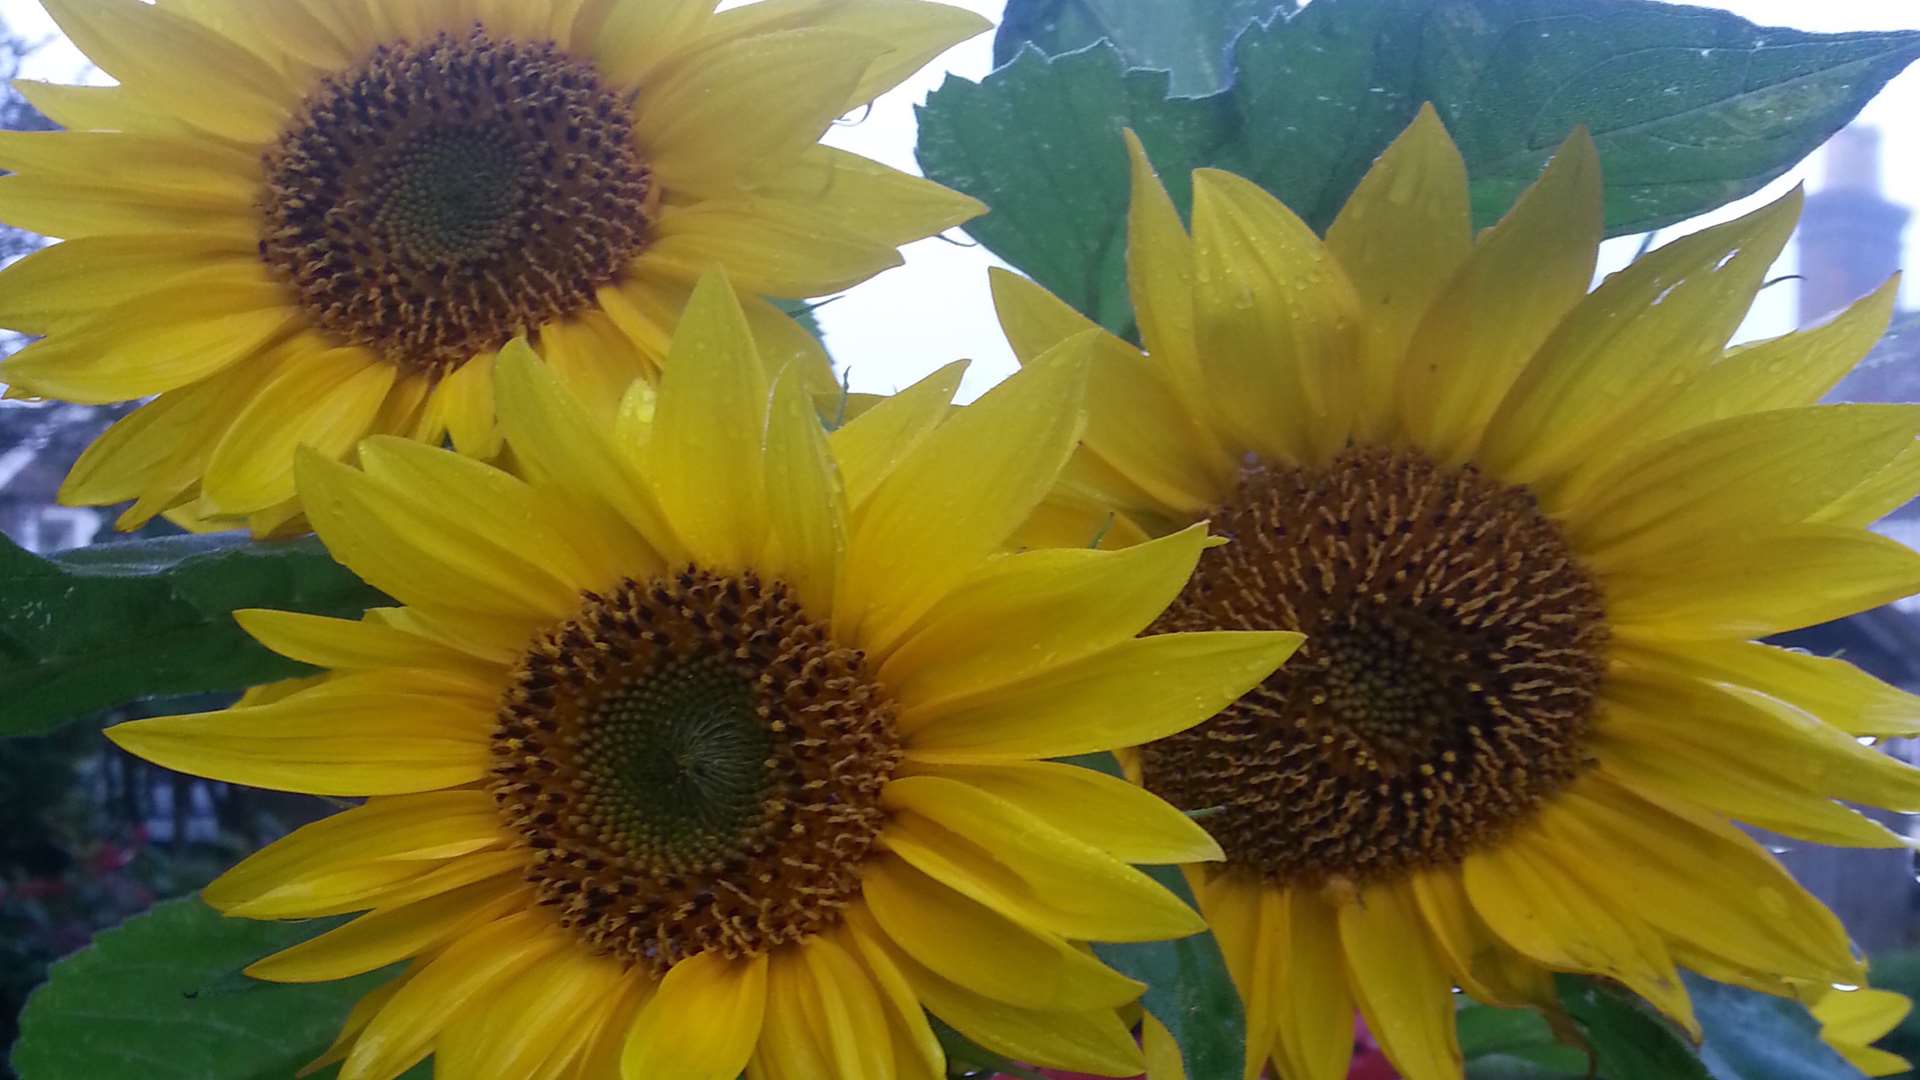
column 441, row 198
column 696, row 765
column 1454, row 649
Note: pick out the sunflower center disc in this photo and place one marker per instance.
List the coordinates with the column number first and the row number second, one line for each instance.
column 1454, row 648
column 440, row 198
column 696, row 766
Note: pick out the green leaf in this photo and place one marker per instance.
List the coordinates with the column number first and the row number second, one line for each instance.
column 1192, row 39
column 161, row 997
column 801, row 311
column 1042, row 138
column 1691, row 108
column 100, row 626
column 1500, row 1043
column 1188, row 990
column 1754, row 1036
column 1629, row 1040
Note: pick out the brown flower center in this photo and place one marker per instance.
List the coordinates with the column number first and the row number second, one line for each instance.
column 441, row 198
column 1454, row 647
column 696, row 766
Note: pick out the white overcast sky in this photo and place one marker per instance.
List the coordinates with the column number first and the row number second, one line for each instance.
column 907, row 322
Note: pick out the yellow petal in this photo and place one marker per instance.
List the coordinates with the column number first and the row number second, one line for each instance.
column 1122, row 819
column 327, row 401
column 1313, row 1032
column 792, row 1045
column 1749, row 587
column 1094, row 1041
column 869, row 446
column 1888, row 489
column 1771, row 468
column 629, row 38
column 863, row 198
column 1793, row 370
column 159, row 341
column 468, row 390
column 526, row 1024
column 772, row 249
column 457, row 494
column 1646, row 330
column 915, row 32
column 210, row 81
column 1400, row 984
column 806, row 508
column 917, row 1051
column 1829, row 688
column 1648, row 858
column 459, row 979
column 856, row 1031
column 159, row 450
column 1402, row 235
column 353, row 643
column 705, row 455
column 1140, row 424
column 1485, row 968
column 956, row 497
column 58, row 288
column 1161, row 1051
column 358, row 1017
column 1249, row 920
column 178, row 171
column 390, row 934
column 95, row 108
column 608, row 1040
column 555, row 442
column 70, row 209
column 1277, row 323
column 1523, row 277
column 702, row 1023
column 1038, row 609
column 1774, row 740
column 352, row 736
column 393, row 542
column 1022, row 867
column 1160, row 281
column 1530, row 900
column 1724, row 787
column 316, row 869
column 1862, row 1016
column 976, row 947
column 746, row 103
column 1137, row 691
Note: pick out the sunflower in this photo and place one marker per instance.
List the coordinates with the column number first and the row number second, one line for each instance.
column 299, row 223
column 1530, row 532
column 1851, row 1021
column 715, row 742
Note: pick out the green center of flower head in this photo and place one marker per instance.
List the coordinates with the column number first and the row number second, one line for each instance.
column 439, row 198
column 694, row 765
column 449, row 196
column 1454, row 649
column 675, row 764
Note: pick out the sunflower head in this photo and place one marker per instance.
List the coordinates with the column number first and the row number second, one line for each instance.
column 342, row 214
column 709, row 724
column 1530, row 531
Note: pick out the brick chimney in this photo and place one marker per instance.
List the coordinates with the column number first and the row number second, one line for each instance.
column 1850, row 236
